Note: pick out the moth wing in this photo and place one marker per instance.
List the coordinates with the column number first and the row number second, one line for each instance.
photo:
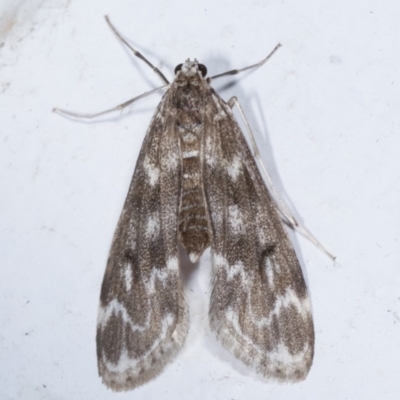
column 143, row 320
column 259, row 305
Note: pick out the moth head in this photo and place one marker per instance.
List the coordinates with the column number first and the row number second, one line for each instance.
column 191, row 68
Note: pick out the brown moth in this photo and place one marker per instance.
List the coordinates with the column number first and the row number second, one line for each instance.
column 196, row 182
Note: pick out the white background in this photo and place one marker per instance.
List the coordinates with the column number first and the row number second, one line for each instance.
column 325, row 111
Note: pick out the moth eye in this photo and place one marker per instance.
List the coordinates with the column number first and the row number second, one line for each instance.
column 178, row 68
column 203, row 70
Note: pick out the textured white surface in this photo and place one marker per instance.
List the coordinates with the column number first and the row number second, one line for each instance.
column 325, row 113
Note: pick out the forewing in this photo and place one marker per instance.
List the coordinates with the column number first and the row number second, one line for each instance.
column 259, row 305
column 143, row 320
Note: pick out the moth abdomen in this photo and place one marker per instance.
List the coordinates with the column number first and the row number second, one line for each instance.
column 193, row 220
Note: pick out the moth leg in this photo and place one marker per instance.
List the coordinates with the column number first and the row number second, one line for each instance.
column 236, row 71
column 282, row 207
column 117, row 108
column 135, row 52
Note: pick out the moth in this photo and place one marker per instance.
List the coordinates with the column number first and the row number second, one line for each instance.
column 196, row 182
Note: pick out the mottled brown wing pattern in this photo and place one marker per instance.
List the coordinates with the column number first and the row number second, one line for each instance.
column 259, row 305
column 143, row 319
column 197, row 182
